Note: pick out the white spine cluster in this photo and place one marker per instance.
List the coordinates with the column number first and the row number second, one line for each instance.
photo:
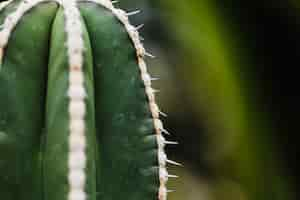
column 77, row 106
column 141, row 53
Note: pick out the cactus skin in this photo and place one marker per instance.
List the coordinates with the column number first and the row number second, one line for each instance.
column 78, row 118
column 122, row 111
column 22, row 94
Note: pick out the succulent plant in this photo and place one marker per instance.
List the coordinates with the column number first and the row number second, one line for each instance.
column 78, row 117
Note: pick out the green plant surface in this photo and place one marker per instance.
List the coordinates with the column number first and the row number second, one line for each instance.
column 123, row 108
column 55, row 162
column 22, row 104
column 119, row 146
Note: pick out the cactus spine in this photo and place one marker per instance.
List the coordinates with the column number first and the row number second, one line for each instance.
column 95, row 132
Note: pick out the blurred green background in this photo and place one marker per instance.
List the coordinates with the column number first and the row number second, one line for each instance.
column 229, row 83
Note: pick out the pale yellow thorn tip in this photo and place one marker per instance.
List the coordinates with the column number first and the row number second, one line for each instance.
column 173, row 162
column 163, row 114
column 149, row 55
column 165, row 131
column 139, row 26
column 169, row 191
column 133, row 13
column 172, row 176
column 170, row 142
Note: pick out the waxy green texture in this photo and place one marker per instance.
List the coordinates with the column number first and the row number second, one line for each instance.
column 109, row 104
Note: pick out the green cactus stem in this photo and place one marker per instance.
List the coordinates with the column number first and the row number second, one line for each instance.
column 78, row 117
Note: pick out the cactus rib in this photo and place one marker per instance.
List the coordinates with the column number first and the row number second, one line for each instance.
column 141, row 53
column 77, row 91
column 77, row 104
column 22, row 103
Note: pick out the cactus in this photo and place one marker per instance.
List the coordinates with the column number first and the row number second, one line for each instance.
column 78, row 118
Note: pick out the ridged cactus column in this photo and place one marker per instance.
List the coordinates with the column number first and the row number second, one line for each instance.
column 78, row 117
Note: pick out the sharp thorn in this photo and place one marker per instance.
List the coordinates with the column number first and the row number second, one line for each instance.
column 172, row 176
column 141, row 38
column 173, row 162
column 133, row 13
column 154, row 79
column 139, row 26
column 115, row 2
column 170, row 142
column 149, row 55
column 155, row 90
column 166, row 132
column 163, row 114
column 169, row 191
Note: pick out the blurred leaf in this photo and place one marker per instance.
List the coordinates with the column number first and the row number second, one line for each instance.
column 241, row 149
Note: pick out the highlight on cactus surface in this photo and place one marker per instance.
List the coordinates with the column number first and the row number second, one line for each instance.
column 78, row 117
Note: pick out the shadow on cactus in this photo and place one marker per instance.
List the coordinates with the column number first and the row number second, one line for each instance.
column 78, row 118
